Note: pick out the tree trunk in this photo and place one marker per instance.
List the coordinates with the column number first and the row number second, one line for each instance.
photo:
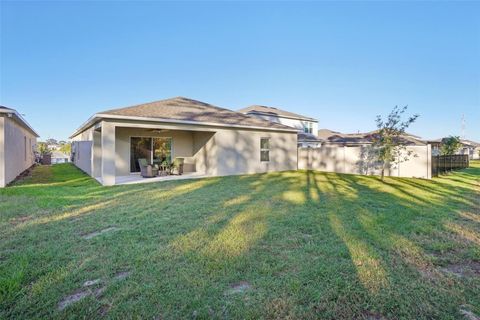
column 383, row 172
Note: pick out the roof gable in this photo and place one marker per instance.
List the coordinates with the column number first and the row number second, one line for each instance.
column 184, row 109
column 271, row 111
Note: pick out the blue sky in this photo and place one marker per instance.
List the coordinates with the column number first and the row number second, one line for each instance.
column 342, row 63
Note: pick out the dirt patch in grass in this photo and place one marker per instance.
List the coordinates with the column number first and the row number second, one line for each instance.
column 25, row 174
column 21, row 219
column 82, row 293
column 466, row 269
column 239, row 287
column 369, row 315
column 122, row 275
column 100, row 232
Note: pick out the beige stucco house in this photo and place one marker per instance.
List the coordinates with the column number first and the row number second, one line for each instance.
column 17, row 145
column 307, row 127
column 213, row 141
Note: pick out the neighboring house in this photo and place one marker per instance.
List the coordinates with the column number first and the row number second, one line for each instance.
column 307, row 127
column 17, row 145
column 356, row 139
column 59, row 157
column 354, row 153
column 469, row 147
column 212, row 141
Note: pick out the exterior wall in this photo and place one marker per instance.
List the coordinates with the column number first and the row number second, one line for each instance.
column 224, row 152
column 238, row 152
column 82, row 155
column 208, row 150
column 182, row 146
column 294, row 123
column 17, row 146
column 360, row 160
column 82, row 149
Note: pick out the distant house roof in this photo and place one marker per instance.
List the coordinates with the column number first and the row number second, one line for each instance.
column 470, row 143
column 185, row 111
column 307, row 137
column 18, row 117
column 334, row 137
column 465, row 142
column 271, row 111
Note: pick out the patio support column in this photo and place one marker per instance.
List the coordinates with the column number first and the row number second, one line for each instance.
column 108, row 153
column 97, row 154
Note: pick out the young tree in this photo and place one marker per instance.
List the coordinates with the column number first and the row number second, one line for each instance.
column 450, row 145
column 388, row 140
column 66, row 148
column 42, row 148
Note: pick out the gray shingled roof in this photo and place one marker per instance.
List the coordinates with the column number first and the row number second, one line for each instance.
column 184, row 109
column 335, row 137
column 271, row 111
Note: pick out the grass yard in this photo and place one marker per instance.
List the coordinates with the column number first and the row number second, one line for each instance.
column 280, row 245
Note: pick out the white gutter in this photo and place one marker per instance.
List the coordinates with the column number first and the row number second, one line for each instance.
column 100, row 116
column 18, row 116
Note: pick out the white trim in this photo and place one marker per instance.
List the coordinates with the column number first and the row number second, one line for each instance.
column 280, row 116
column 19, row 117
column 265, row 161
column 100, row 116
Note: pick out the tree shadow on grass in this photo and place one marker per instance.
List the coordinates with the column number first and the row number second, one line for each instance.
column 310, row 245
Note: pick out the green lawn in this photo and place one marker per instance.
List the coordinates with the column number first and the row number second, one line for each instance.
column 280, row 245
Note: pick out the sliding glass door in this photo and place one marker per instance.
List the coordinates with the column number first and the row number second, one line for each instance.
column 154, row 150
column 139, row 148
column 162, row 150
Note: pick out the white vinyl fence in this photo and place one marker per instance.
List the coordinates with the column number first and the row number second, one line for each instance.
column 361, row 160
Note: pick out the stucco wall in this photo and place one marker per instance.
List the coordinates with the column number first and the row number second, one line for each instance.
column 82, row 155
column 223, row 152
column 238, row 152
column 182, row 146
column 361, row 160
column 209, row 150
column 17, row 146
column 82, row 149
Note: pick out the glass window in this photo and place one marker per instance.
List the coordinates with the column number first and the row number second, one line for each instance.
column 308, row 127
column 140, row 148
column 162, row 150
column 264, row 149
column 154, row 150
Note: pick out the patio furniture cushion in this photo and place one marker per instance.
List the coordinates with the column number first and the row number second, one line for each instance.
column 147, row 170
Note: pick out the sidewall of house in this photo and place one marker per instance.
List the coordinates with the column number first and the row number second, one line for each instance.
column 82, row 148
column 18, row 149
column 238, row 152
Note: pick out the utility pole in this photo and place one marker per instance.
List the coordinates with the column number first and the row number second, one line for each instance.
column 463, row 126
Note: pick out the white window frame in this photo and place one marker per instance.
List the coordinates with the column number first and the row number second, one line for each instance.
column 265, row 149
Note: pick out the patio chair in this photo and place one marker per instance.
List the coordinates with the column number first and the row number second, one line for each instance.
column 147, row 170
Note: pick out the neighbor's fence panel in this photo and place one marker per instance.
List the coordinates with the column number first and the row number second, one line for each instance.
column 362, row 160
column 442, row 164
